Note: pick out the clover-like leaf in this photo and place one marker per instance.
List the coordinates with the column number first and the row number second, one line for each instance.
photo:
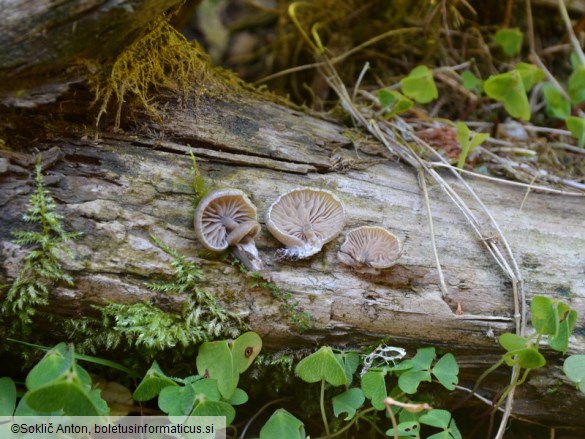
column 508, row 88
column 7, row 397
column 177, row 401
column 467, row 144
column 53, row 365
column 153, row 382
column 245, row 349
column 530, row 74
column 409, row 429
column 409, row 381
column 350, row 362
column 321, row 365
column 556, row 104
column 472, row 82
column 420, row 371
column 67, row 394
column 374, row 387
column 510, row 40
column 512, row 342
column 576, row 126
column 214, row 360
column 393, row 103
column 436, row 418
column 239, row 397
column 206, row 389
column 574, row 368
column 528, row 358
column 420, row 85
column 560, row 341
column 544, row 315
column 446, row 370
column 282, row 425
column 576, row 86
column 348, row 402
column 215, row 408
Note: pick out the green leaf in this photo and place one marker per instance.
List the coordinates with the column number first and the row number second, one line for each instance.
column 508, row 88
column 348, row 402
column 393, row 102
column 321, row 365
column 206, row 389
column 7, row 398
column 421, row 365
column 574, row 368
column 67, row 394
column 510, row 40
column 409, row 381
column 528, row 358
column 374, row 387
column 446, row 371
column 576, row 126
column 215, row 408
column 472, row 82
column 245, row 350
column 576, row 86
column 52, row 366
column 177, row 401
column 512, row 342
column 23, row 409
column 530, row 74
column 560, row 342
column 282, row 425
column 436, row 418
column 239, row 397
column 556, row 104
column 544, row 315
column 410, row 430
column 423, row 358
column 214, row 360
column 153, row 382
column 351, row 362
column 467, row 144
column 420, row 85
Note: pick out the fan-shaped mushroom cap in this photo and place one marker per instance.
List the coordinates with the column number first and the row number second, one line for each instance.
column 227, row 217
column 304, row 219
column 369, row 249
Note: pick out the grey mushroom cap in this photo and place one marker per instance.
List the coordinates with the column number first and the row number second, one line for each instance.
column 227, row 218
column 304, row 219
column 370, row 249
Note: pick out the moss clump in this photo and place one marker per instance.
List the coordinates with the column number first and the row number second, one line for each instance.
column 152, row 330
column 42, row 265
column 162, row 58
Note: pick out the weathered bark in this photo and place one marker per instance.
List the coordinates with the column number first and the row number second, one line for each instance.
column 120, row 189
column 45, row 46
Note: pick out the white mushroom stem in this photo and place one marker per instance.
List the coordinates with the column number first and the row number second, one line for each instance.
column 242, row 232
column 247, row 254
column 241, row 238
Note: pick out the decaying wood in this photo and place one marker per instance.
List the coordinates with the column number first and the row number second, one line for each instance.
column 120, row 189
column 45, row 46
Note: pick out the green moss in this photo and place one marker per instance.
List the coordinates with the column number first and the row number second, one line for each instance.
column 161, row 59
column 42, row 267
column 149, row 329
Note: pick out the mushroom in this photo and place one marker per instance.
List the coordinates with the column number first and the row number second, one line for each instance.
column 304, row 219
column 370, row 249
column 227, row 218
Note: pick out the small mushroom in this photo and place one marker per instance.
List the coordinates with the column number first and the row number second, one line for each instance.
column 227, row 218
column 370, row 249
column 304, row 219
